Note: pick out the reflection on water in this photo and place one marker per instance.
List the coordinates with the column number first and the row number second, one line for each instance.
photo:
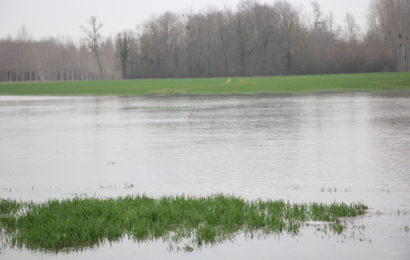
column 323, row 148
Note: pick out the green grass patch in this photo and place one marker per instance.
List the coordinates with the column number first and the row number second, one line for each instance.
column 9, row 206
column 189, row 222
column 282, row 84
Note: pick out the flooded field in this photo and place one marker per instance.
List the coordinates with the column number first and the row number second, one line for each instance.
column 350, row 147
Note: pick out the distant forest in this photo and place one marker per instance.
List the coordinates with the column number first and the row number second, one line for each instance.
column 254, row 40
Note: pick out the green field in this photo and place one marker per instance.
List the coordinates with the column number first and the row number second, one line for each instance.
column 186, row 222
column 282, row 84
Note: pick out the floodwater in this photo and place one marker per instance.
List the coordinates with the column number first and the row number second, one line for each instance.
column 350, row 147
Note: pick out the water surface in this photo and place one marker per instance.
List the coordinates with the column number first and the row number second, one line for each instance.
column 300, row 148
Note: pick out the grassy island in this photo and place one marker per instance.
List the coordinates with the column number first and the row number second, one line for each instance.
column 78, row 223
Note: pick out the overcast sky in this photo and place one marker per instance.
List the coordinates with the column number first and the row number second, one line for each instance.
column 45, row 18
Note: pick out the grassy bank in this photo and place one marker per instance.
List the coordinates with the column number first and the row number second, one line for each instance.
column 74, row 224
column 288, row 84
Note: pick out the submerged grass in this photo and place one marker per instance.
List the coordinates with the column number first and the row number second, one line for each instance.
column 79, row 223
column 9, row 206
column 246, row 85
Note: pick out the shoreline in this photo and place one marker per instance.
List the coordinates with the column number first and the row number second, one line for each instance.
column 277, row 85
column 376, row 92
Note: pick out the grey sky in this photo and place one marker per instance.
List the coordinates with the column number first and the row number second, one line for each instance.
column 63, row 17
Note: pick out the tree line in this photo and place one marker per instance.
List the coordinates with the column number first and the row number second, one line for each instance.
column 255, row 39
column 58, row 59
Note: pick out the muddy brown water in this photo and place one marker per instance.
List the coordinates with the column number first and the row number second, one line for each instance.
column 322, row 147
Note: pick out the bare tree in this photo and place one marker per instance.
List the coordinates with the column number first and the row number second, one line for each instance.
column 392, row 18
column 93, row 39
column 123, row 44
column 351, row 28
